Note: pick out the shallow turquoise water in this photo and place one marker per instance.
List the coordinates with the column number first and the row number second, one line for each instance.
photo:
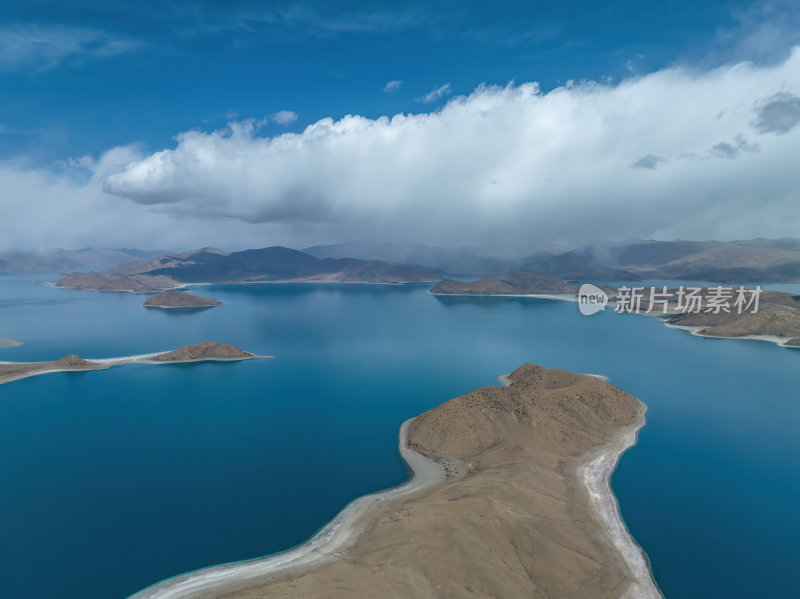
column 113, row 480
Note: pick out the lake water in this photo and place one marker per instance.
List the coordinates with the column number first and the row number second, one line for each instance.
column 113, row 480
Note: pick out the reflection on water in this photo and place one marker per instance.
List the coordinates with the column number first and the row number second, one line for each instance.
column 114, row 479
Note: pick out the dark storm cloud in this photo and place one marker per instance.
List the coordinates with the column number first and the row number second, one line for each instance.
column 779, row 114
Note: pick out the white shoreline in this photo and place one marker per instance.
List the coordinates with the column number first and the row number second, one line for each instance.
column 182, row 285
column 695, row 330
column 596, row 475
column 322, row 547
column 596, row 472
column 106, row 363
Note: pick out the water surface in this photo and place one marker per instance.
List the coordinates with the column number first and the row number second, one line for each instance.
column 113, row 480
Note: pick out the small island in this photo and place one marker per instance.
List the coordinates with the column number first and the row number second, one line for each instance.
column 204, row 351
column 9, row 343
column 521, row 283
column 509, row 498
column 174, row 298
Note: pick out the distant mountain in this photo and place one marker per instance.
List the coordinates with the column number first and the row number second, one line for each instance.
column 751, row 260
column 454, row 261
column 273, row 264
column 521, row 283
column 722, row 261
column 66, row 259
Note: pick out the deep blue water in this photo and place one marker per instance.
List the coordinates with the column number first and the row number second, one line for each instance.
column 113, row 480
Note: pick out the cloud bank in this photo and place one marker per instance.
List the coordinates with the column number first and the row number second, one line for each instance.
column 673, row 154
column 513, row 163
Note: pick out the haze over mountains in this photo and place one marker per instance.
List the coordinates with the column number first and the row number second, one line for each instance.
column 751, row 260
column 757, row 260
column 272, row 264
column 64, row 259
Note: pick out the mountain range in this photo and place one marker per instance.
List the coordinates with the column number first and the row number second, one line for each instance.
column 722, row 261
column 272, row 264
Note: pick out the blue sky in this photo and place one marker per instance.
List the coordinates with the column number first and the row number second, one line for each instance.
column 94, row 75
column 107, row 106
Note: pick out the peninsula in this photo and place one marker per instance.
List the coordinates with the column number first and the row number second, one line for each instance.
column 9, row 343
column 174, row 298
column 777, row 320
column 509, row 498
column 267, row 265
column 521, row 283
column 206, row 350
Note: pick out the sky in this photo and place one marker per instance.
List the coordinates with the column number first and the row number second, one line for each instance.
column 527, row 125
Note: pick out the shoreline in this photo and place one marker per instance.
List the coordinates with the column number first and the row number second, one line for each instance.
column 596, row 476
column 594, row 473
column 695, row 330
column 565, row 297
column 183, row 285
column 182, row 307
column 321, row 547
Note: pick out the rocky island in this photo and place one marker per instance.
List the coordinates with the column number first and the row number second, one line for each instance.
column 206, row 350
column 509, row 498
column 521, row 283
column 9, row 343
column 174, row 298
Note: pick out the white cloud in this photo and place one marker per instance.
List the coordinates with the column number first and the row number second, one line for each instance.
column 44, row 47
column 509, row 163
column 434, row 94
column 65, row 207
column 392, row 86
column 284, row 117
column 506, row 164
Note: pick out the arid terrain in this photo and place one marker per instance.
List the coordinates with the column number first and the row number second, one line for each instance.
column 778, row 317
column 523, row 509
column 521, row 283
column 206, row 350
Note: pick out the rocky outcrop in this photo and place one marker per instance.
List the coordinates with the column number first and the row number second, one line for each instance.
column 173, row 298
column 206, row 350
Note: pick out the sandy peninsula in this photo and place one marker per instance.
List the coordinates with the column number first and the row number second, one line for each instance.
column 777, row 320
column 204, row 351
column 509, row 498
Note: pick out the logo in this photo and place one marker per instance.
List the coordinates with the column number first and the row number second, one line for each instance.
column 591, row 299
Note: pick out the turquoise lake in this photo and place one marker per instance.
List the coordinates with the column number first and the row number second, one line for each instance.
column 113, row 480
